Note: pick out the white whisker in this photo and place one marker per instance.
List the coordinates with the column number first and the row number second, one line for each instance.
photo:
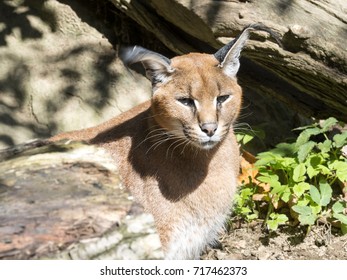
column 157, row 144
column 164, row 137
column 172, row 144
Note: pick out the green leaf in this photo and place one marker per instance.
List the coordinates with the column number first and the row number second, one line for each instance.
column 324, row 170
column 244, row 138
column 306, row 216
column 285, row 149
column 239, row 137
column 325, row 146
column 286, row 194
column 323, row 196
column 299, row 172
column 267, row 178
column 272, row 224
column 344, row 228
column 307, row 220
column 246, row 192
column 328, row 124
column 300, row 188
column 245, row 210
column 306, row 126
column 338, row 207
column 247, row 138
column 282, row 218
column 326, row 193
column 304, row 200
column 276, row 220
column 341, row 217
column 252, row 217
column 278, row 188
column 315, row 161
column 304, row 136
column 264, row 159
column 287, row 162
column 316, row 209
column 311, row 172
column 340, row 139
column 302, row 210
column 273, row 181
column 305, row 149
column 341, row 169
column 315, row 195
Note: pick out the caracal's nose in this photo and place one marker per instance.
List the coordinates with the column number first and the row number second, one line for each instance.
column 209, row 128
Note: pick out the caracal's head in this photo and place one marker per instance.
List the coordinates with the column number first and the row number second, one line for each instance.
column 198, row 101
column 196, row 96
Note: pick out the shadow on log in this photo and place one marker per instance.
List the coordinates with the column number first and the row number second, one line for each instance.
column 67, row 201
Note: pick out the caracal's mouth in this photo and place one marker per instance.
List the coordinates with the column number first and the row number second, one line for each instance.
column 201, row 141
column 205, row 143
column 208, row 144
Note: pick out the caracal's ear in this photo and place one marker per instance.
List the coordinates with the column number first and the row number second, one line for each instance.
column 158, row 67
column 229, row 55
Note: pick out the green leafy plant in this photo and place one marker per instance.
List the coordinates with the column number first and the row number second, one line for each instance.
column 308, row 176
column 244, row 137
column 339, row 213
column 275, row 220
column 245, row 206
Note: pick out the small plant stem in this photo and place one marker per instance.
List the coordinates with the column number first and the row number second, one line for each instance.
column 269, row 211
column 333, row 181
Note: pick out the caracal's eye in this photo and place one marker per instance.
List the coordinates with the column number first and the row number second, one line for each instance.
column 221, row 99
column 186, row 101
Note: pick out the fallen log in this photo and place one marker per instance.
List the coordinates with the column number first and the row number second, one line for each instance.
column 308, row 73
column 67, row 201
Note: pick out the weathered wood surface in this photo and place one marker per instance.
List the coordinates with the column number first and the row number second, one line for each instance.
column 66, row 201
column 309, row 73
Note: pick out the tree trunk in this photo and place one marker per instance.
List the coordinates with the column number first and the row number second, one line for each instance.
column 309, row 72
column 66, row 201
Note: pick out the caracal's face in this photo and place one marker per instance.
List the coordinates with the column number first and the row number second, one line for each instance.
column 198, row 103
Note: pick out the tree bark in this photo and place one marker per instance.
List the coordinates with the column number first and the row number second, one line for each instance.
column 309, row 72
column 66, row 201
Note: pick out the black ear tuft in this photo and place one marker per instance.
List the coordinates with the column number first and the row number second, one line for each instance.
column 158, row 67
column 228, row 56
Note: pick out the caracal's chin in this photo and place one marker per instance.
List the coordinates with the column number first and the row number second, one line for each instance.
column 208, row 145
column 205, row 143
column 195, row 140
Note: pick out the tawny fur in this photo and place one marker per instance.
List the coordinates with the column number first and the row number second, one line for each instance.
column 187, row 188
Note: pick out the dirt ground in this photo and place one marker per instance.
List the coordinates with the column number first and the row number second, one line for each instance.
column 254, row 242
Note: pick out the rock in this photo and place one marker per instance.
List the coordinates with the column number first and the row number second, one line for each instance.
column 264, row 253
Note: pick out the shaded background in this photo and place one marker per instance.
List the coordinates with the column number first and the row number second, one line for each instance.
column 59, row 67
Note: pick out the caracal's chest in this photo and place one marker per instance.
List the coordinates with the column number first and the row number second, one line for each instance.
column 189, row 199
